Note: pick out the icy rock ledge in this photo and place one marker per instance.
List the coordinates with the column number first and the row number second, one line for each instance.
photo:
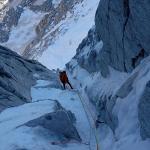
column 60, row 121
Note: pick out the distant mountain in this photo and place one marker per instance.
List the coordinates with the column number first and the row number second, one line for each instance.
column 31, row 27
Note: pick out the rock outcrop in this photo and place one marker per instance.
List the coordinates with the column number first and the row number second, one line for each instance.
column 61, row 122
column 144, row 112
column 119, row 41
column 17, row 75
column 123, row 26
column 45, row 30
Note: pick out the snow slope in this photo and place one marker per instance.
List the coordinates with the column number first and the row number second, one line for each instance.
column 12, row 138
column 73, row 29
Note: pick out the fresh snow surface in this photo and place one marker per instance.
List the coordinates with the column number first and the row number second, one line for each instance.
column 14, row 136
column 24, row 32
column 73, row 29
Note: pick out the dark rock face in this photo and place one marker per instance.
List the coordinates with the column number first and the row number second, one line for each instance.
column 45, row 7
column 60, row 122
column 105, row 106
column 144, row 112
column 11, row 19
column 17, row 77
column 90, row 62
column 123, row 26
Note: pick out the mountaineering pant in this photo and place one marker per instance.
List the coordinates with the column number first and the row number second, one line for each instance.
column 64, row 85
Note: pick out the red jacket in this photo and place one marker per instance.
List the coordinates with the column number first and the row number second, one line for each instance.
column 63, row 77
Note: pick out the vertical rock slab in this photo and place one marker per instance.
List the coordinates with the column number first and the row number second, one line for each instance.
column 144, row 112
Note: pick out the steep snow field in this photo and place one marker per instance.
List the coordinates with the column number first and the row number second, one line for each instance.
column 12, row 138
column 73, row 29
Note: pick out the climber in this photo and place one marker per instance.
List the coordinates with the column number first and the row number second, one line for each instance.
column 64, row 79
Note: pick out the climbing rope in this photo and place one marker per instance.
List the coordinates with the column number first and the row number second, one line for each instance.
column 86, row 109
column 87, row 112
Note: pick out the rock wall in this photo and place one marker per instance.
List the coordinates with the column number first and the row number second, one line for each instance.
column 123, row 26
column 11, row 17
column 17, row 76
column 144, row 112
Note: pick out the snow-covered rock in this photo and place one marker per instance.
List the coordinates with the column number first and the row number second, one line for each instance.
column 60, row 122
column 72, row 29
column 121, row 101
column 48, row 37
column 125, row 35
column 111, row 69
column 17, row 78
column 54, row 120
column 124, row 28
